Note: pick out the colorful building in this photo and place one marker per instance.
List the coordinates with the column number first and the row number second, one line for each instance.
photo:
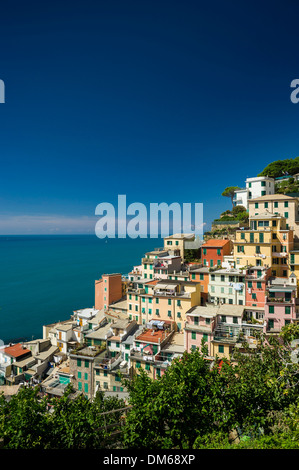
column 109, row 289
column 214, row 250
column 266, row 244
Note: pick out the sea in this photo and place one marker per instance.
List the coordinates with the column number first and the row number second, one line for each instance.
column 43, row 279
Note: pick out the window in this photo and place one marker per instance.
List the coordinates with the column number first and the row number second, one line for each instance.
column 208, row 321
column 86, row 363
column 205, row 337
column 78, row 362
column 242, row 236
column 195, row 320
column 147, row 367
column 249, row 284
column 271, row 308
column 230, row 301
column 253, row 296
column 235, row 320
column 169, row 313
column 287, row 310
column 158, row 372
column 157, row 312
column 138, row 365
column 266, row 205
column 193, row 335
column 204, row 251
column 222, row 278
column 79, row 375
column 85, row 376
column 79, row 385
column 256, row 205
column 212, row 277
column 178, row 303
column 286, row 204
column 275, row 204
column 157, row 300
column 263, row 193
column 97, row 372
column 263, row 183
column 201, row 277
column 261, row 237
column 259, row 285
column 286, row 214
column 221, row 348
column 169, row 301
column 136, row 308
column 218, row 251
column 223, row 319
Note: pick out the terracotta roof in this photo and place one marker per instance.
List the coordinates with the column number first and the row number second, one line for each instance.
column 153, row 282
column 16, row 350
column 152, row 336
column 215, row 243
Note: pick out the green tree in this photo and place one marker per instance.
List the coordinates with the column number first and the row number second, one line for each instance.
column 229, row 192
column 172, row 411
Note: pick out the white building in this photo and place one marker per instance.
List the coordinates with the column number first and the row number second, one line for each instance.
column 255, row 187
column 227, row 286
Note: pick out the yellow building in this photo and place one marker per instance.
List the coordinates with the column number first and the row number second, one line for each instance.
column 278, row 204
column 166, row 300
column 178, row 241
column 267, row 243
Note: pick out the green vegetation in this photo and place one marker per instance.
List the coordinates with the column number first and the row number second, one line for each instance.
column 280, row 167
column 195, row 404
column 229, row 192
column 237, row 214
column 192, row 255
column 287, row 186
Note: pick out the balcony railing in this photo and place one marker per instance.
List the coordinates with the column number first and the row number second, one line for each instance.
column 280, row 300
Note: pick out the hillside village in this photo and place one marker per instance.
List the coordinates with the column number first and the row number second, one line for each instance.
column 222, row 291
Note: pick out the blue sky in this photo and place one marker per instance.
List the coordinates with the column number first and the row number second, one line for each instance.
column 163, row 101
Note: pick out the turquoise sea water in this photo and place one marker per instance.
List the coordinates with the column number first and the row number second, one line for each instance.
column 44, row 278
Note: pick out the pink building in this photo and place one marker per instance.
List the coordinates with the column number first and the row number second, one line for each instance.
column 255, row 283
column 280, row 305
column 108, row 290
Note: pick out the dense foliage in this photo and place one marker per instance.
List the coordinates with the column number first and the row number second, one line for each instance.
column 197, row 403
column 29, row 421
column 280, row 167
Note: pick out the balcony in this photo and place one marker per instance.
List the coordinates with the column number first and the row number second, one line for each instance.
column 108, row 362
column 279, row 300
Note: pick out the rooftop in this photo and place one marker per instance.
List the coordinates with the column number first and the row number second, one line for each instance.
column 16, row 350
column 215, row 243
column 272, row 197
column 182, row 236
column 153, row 336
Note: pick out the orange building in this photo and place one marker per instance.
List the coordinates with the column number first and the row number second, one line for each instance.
column 201, row 275
column 109, row 289
column 213, row 251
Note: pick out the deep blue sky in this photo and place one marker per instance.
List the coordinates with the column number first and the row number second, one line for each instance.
column 164, row 101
